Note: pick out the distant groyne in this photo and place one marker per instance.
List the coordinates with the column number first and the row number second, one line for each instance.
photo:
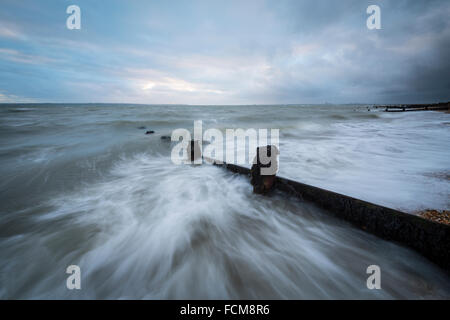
column 442, row 106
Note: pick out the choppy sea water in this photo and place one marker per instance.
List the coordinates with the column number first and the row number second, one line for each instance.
column 81, row 184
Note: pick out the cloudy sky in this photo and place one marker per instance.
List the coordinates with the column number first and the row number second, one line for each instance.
column 225, row 52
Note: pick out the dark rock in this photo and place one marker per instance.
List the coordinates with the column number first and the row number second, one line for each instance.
column 150, row 132
column 165, row 138
column 140, row 128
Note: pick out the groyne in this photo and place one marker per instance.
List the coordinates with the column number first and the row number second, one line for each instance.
column 429, row 238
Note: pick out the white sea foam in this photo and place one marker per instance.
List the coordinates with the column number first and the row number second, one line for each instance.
column 390, row 161
column 155, row 230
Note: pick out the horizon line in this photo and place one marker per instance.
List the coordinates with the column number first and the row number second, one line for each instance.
column 215, row 105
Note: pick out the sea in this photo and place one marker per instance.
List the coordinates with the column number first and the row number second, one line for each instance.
column 84, row 185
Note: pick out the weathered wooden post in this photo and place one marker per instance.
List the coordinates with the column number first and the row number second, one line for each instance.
column 264, row 169
column 194, row 151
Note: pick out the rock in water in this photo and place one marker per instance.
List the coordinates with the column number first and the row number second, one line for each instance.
column 150, row 132
column 264, row 169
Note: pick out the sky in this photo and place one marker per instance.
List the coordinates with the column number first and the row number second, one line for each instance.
column 225, row 52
